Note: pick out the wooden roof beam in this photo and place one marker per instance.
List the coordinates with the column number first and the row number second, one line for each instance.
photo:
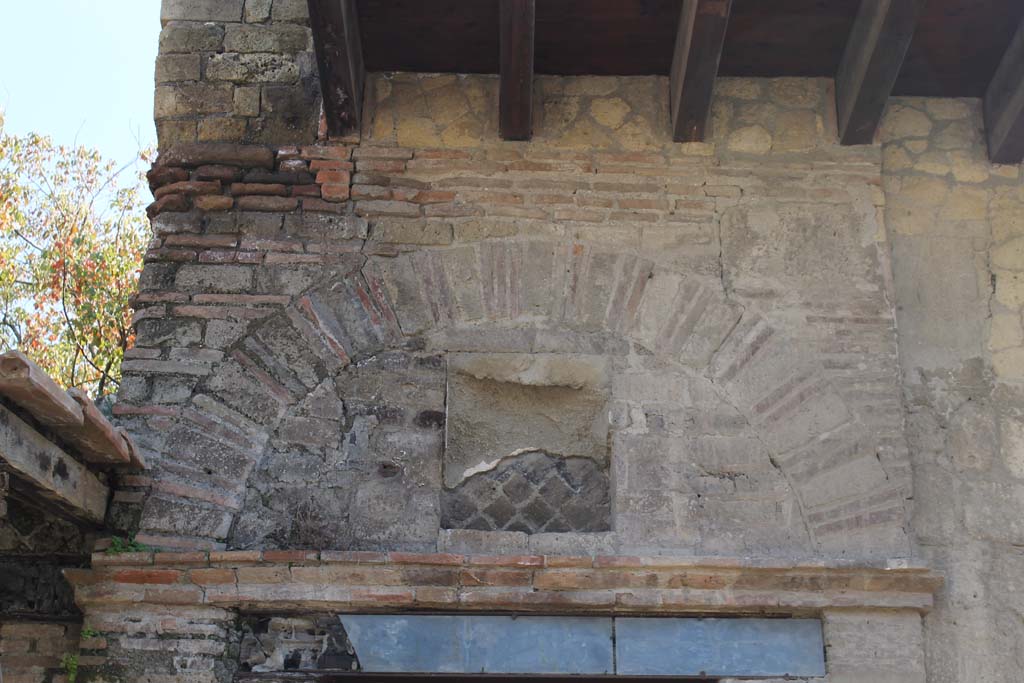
column 46, row 473
column 339, row 58
column 1004, row 106
column 698, row 51
column 518, row 20
column 871, row 62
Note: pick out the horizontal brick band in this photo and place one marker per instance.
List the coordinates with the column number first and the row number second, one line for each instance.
column 339, row 581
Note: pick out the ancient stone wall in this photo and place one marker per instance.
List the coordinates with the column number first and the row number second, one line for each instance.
column 957, row 224
column 595, row 341
column 423, row 339
column 236, row 71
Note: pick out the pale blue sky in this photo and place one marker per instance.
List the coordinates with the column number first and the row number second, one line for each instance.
column 80, row 69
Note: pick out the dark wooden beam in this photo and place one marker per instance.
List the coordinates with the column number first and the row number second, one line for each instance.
column 1004, row 106
column 698, row 52
column 339, row 58
column 48, row 475
column 871, row 63
column 518, row 18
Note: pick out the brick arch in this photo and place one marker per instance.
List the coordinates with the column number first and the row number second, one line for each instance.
column 532, row 296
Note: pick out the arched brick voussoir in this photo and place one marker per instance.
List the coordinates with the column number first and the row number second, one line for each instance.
column 520, row 296
column 821, row 445
column 557, row 285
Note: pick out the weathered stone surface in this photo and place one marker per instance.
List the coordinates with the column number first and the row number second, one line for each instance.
column 230, row 154
column 186, row 99
column 201, row 10
column 272, row 38
column 557, row 402
column 191, row 38
column 251, row 68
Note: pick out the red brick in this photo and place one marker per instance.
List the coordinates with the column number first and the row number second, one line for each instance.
column 326, row 152
column 213, row 203
column 184, row 595
column 160, row 576
column 165, row 175
column 320, row 206
column 495, row 577
column 305, row 190
column 263, row 574
column 219, row 172
column 189, row 188
column 290, row 555
column 333, row 177
column 260, row 203
column 235, row 556
column 212, row 577
column 564, row 561
column 430, row 576
column 265, row 189
column 171, row 202
column 370, row 192
column 426, row 558
column 353, row 556
column 506, row 560
column 217, row 256
column 334, row 193
column 330, row 165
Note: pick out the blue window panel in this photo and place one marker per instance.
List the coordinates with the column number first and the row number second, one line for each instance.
column 719, row 647
column 472, row 644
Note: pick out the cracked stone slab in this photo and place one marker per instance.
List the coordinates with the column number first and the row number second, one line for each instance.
column 503, row 405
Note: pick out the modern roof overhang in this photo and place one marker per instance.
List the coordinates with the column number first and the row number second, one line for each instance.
column 874, row 48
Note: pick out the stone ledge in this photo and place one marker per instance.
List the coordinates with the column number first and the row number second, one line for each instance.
column 340, row 581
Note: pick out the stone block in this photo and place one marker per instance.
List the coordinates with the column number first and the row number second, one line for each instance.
column 191, row 38
column 257, row 11
column 874, row 647
column 214, row 278
column 201, row 10
column 193, row 99
column 281, row 39
column 177, row 68
column 251, row 68
column 558, row 404
column 295, row 11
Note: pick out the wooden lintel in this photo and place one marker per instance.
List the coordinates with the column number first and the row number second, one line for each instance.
column 517, row 38
column 1004, row 106
column 339, row 58
column 872, row 61
column 698, row 51
column 52, row 475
